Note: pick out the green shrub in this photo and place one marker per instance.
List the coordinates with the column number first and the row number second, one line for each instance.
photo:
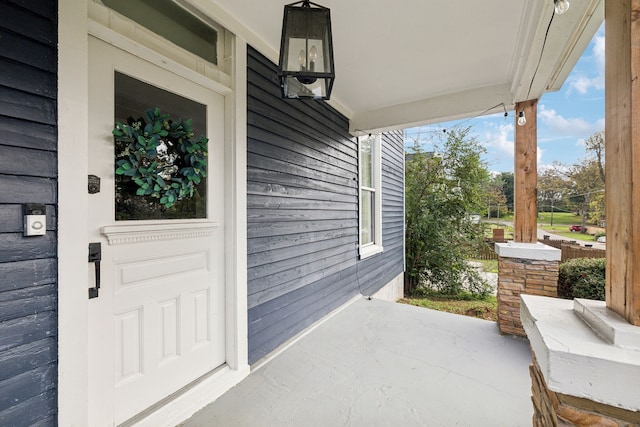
column 582, row 278
column 595, row 236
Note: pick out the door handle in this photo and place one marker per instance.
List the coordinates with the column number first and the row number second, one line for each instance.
column 95, row 255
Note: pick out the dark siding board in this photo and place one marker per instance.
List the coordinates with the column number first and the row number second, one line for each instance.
column 24, row 189
column 27, row 23
column 267, row 329
column 303, row 212
column 26, row 78
column 307, row 148
column 40, row 163
column 18, row 104
column 264, row 295
column 286, row 215
column 273, row 256
column 284, row 127
column 21, row 331
column 302, row 170
column 37, row 411
column 292, row 228
column 26, row 51
column 257, row 246
column 391, row 199
column 27, row 357
column 20, row 133
column 18, row 389
column 24, row 274
column 263, row 290
column 289, row 203
column 293, row 317
column 393, row 193
column 393, row 230
column 16, row 247
column 51, row 420
column 25, row 302
column 11, row 219
column 297, row 264
column 44, row 8
column 289, row 180
column 276, row 190
column 308, row 295
column 288, row 118
column 323, row 165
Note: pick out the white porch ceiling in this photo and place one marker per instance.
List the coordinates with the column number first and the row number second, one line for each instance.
column 403, row 63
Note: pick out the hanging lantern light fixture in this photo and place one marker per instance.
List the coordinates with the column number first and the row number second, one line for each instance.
column 306, row 67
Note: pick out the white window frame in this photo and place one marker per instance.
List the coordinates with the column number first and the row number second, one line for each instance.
column 375, row 246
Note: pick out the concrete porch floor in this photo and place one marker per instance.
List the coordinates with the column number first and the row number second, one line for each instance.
column 378, row 363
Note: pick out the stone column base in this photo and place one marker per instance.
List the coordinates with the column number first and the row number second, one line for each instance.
column 523, row 268
column 556, row 409
column 586, row 363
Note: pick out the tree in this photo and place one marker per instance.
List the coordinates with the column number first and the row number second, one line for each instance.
column 595, row 145
column 496, row 201
column 507, row 187
column 586, row 182
column 442, row 189
column 552, row 187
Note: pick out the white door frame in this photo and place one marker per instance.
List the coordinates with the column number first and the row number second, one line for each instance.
column 73, row 363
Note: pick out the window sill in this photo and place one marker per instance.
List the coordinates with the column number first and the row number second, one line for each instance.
column 370, row 250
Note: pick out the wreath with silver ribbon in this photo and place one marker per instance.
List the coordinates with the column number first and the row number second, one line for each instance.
column 161, row 156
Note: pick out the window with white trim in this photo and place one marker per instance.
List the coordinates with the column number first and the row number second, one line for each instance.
column 370, row 201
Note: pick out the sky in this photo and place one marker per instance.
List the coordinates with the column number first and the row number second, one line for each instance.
column 566, row 118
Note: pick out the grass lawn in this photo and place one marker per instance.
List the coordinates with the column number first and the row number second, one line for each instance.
column 559, row 218
column 484, row 309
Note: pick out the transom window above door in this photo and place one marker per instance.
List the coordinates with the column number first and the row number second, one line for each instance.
column 174, row 22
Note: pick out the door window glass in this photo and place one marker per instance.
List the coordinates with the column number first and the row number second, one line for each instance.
column 168, row 164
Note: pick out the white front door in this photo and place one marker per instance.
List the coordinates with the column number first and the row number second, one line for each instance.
column 158, row 322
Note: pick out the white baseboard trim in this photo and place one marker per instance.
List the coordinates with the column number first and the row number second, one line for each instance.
column 190, row 401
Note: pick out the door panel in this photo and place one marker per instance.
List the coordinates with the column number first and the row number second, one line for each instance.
column 158, row 323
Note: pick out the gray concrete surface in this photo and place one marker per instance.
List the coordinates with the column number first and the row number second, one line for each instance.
column 378, row 363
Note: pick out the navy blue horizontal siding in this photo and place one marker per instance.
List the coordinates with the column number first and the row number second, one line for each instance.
column 302, row 212
column 28, row 174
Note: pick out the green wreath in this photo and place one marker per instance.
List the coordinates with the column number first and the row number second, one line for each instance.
column 161, row 156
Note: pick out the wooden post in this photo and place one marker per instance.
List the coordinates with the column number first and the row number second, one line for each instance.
column 622, row 130
column 525, row 211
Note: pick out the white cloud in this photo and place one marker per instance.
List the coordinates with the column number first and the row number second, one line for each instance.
column 582, row 82
column 499, row 143
column 562, row 126
column 500, row 140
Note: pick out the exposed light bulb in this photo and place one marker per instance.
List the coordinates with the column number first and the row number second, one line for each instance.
column 313, row 56
column 561, row 6
column 302, row 59
column 522, row 120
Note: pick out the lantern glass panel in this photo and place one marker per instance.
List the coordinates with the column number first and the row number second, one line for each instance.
column 305, row 55
column 295, row 89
